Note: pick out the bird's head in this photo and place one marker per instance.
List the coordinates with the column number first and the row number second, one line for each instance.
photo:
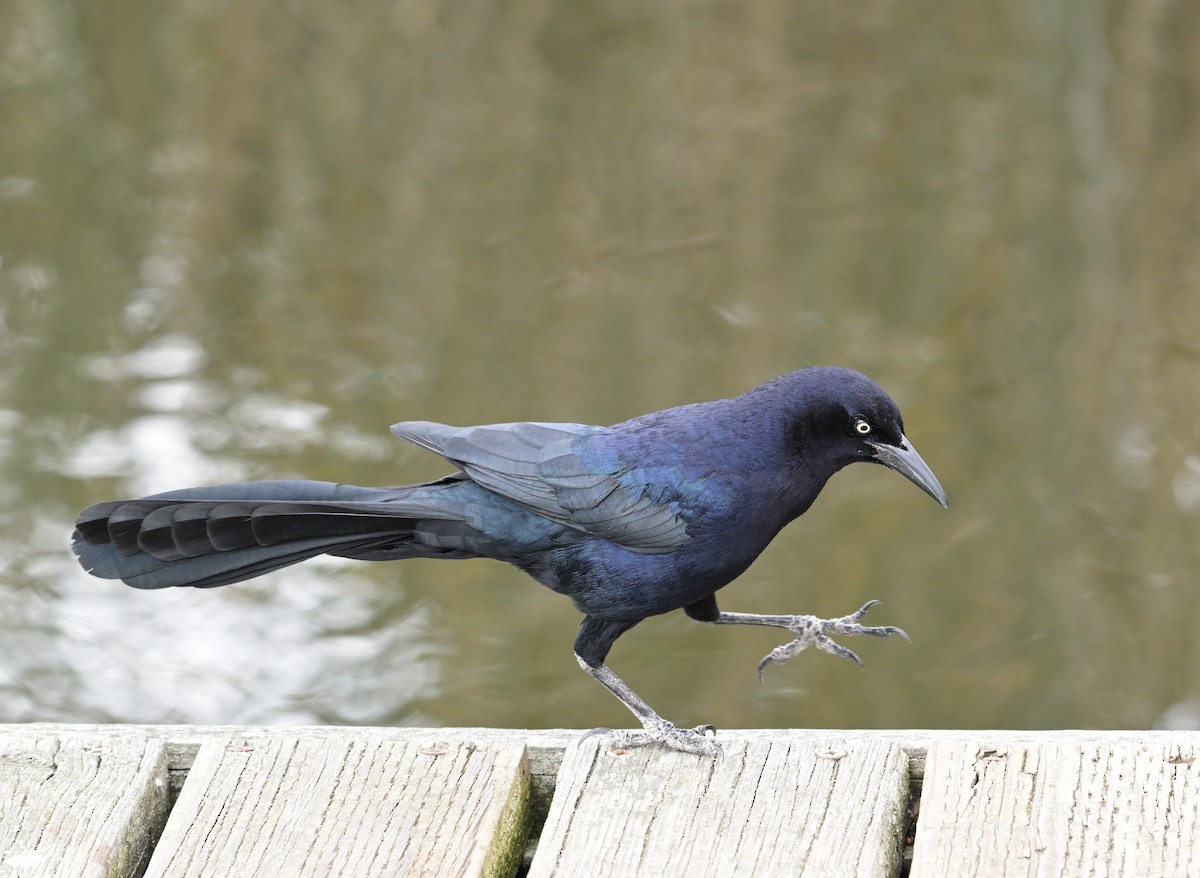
column 846, row 417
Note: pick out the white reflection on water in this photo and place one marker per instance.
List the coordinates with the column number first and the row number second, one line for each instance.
column 157, row 452
column 1186, row 484
column 302, row 646
column 172, row 356
column 277, row 651
column 152, row 453
column 1133, row 457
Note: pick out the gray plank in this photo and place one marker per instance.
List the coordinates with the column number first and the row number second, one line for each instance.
column 788, row 805
column 79, row 806
column 328, row 806
column 1059, row 809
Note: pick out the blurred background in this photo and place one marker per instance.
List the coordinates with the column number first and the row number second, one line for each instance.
column 238, row 241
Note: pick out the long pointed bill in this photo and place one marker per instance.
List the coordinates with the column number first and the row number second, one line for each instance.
column 905, row 460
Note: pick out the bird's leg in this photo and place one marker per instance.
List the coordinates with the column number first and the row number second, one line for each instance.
column 656, row 730
column 595, row 638
column 809, row 630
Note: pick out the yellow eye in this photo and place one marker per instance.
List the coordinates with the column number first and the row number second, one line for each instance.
column 862, row 426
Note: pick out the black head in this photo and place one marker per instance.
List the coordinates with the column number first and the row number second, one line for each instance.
column 845, row 417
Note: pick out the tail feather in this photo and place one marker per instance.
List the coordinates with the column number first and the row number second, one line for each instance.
column 214, row 536
column 146, row 571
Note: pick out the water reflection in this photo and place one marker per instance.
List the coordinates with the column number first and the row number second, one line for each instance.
column 239, row 242
column 299, row 654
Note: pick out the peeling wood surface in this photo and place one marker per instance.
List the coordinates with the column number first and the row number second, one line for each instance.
column 1059, row 809
column 787, row 806
column 301, row 806
column 79, row 806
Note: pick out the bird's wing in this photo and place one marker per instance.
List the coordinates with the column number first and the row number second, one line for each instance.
column 538, row 465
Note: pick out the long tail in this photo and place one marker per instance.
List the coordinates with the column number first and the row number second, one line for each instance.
column 214, row 536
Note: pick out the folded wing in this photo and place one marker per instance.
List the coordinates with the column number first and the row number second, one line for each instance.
column 548, row 468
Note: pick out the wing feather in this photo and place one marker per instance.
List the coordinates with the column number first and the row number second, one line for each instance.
column 544, row 467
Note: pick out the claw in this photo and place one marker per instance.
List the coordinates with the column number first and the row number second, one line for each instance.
column 816, row 632
column 699, row 740
column 657, row 730
column 851, row 621
column 861, row 611
column 789, row 651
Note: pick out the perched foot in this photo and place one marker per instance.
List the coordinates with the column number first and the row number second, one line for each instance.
column 700, row 740
column 656, row 730
column 812, row 631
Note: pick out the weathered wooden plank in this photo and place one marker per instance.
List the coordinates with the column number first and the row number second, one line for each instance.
column 790, row 805
column 327, row 806
column 79, row 806
column 1059, row 809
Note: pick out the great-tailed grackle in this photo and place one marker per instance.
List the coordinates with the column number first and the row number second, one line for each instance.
column 644, row 517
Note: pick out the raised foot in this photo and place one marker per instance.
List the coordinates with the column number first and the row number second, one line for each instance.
column 700, row 740
column 812, row 631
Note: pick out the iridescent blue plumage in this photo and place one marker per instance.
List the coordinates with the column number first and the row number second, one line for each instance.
column 647, row 516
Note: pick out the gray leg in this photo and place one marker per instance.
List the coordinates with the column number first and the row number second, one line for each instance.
column 656, row 729
column 809, row 630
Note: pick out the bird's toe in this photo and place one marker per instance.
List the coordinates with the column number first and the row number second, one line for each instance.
column 812, row 631
column 701, row 740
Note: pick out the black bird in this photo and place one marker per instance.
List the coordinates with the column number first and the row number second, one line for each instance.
column 647, row 516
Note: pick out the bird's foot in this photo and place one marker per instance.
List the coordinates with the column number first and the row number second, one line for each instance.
column 700, row 740
column 812, row 631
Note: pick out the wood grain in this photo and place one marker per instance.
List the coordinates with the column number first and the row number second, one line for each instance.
column 1059, row 810
column 784, row 806
column 321, row 806
column 79, row 806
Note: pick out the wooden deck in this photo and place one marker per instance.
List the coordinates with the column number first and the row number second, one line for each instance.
column 168, row 801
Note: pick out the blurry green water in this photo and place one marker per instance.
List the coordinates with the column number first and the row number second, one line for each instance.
column 240, row 240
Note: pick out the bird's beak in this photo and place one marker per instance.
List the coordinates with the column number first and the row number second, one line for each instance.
column 903, row 458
